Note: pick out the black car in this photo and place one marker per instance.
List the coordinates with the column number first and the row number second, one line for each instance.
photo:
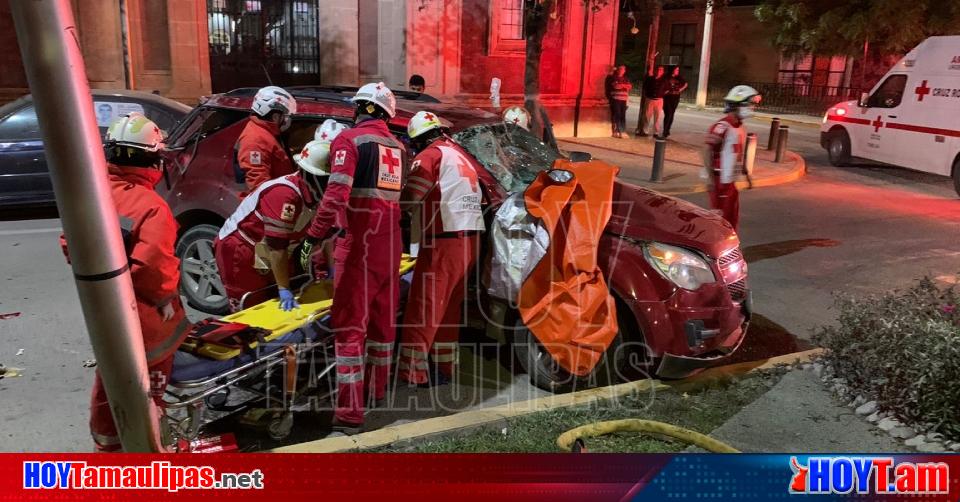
column 24, row 180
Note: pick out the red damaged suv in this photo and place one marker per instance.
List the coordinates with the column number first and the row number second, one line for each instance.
column 676, row 271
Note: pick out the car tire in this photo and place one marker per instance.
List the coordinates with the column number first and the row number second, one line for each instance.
column 956, row 174
column 838, row 148
column 545, row 373
column 199, row 279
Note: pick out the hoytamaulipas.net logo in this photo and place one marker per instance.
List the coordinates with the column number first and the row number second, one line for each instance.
column 159, row 475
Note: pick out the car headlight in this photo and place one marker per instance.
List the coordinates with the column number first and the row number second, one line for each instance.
column 684, row 268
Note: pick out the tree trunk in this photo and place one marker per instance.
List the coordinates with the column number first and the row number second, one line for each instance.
column 536, row 26
column 654, row 35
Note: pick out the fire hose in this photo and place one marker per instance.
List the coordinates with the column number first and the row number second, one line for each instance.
column 573, row 439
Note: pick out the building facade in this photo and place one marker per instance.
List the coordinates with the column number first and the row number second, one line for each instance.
column 184, row 49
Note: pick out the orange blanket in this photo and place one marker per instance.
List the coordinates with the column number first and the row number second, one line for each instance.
column 565, row 301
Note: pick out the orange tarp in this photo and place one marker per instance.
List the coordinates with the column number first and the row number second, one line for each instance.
column 564, row 301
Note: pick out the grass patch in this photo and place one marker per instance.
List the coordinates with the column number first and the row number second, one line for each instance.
column 702, row 411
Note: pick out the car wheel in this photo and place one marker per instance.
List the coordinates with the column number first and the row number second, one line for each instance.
column 199, row 279
column 956, row 174
column 547, row 374
column 838, row 148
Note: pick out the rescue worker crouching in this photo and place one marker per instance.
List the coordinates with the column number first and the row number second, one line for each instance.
column 253, row 247
column 364, row 189
column 443, row 182
column 723, row 152
column 258, row 153
column 149, row 232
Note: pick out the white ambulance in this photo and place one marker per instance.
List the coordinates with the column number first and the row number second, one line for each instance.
column 911, row 118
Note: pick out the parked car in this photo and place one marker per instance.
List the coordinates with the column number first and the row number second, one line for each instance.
column 675, row 270
column 908, row 119
column 24, row 179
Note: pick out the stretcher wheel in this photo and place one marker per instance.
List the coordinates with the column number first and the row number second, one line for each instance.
column 217, row 400
column 280, row 426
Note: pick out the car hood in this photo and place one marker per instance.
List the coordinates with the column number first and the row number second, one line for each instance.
column 645, row 215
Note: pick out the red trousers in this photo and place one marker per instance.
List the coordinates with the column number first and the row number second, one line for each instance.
column 433, row 316
column 365, row 301
column 102, row 427
column 726, row 198
column 235, row 264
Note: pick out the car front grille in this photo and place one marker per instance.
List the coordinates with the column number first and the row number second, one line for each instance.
column 732, row 256
column 738, row 290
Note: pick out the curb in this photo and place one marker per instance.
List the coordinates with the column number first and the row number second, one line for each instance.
column 497, row 415
column 812, row 121
column 799, row 171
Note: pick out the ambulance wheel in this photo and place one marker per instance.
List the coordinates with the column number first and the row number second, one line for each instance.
column 280, row 426
column 838, row 148
column 956, row 174
column 199, row 279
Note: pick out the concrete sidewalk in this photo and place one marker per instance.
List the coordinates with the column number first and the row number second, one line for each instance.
column 786, row 118
column 682, row 167
column 799, row 414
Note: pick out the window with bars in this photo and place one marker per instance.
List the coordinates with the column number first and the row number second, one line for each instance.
column 807, row 69
column 683, row 45
column 506, row 26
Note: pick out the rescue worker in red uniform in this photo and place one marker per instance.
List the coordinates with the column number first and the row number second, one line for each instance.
column 724, row 150
column 149, row 231
column 258, row 153
column 253, row 247
column 366, row 165
column 443, row 183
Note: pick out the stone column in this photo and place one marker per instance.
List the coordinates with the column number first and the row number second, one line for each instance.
column 189, row 50
column 339, row 39
column 98, row 23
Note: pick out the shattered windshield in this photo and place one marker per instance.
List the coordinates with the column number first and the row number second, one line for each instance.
column 511, row 154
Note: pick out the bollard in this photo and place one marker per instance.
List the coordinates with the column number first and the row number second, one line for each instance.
column 749, row 157
column 782, row 135
column 774, row 129
column 659, row 151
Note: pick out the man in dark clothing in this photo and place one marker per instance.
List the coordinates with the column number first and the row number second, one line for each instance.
column 676, row 84
column 654, row 88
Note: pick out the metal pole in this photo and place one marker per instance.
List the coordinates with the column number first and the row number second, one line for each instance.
column 51, row 57
column 774, row 129
column 705, row 56
column 659, row 152
column 782, row 137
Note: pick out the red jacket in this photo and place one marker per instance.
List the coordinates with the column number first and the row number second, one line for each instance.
column 277, row 213
column 260, row 155
column 426, row 184
column 367, row 165
column 150, row 233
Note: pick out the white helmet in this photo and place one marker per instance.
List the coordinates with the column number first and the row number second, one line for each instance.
column 315, row 154
column 272, row 98
column 328, row 130
column 422, row 122
column 518, row 116
column 136, row 131
column 742, row 94
column 378, row 94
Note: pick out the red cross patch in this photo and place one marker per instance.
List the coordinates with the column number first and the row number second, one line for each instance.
column 288, row 212
column 158, row 383
column 255, row 158
column 389, row 176
column 340, row 158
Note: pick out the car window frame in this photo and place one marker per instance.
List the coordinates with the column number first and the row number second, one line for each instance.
column 13, row 139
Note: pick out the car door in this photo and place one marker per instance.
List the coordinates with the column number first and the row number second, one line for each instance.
column 875, row 139
column 23, row 165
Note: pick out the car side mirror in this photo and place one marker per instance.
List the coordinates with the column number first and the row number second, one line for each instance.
column 864, row 98
column 580, row 157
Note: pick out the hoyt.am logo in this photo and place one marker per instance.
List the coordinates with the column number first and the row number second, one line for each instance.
column 861, row 475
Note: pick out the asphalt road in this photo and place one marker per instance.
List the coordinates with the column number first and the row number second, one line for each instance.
column 861, row 229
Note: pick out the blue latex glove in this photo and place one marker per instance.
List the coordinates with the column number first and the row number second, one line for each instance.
column 287, row 301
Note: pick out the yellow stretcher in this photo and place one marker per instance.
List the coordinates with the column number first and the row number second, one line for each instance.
column 211, row 381
column 315, row 298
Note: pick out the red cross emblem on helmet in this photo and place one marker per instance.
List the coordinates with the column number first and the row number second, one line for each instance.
column 430, row 116
column 305, row 153
column 516, row 120
column 323, row 136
